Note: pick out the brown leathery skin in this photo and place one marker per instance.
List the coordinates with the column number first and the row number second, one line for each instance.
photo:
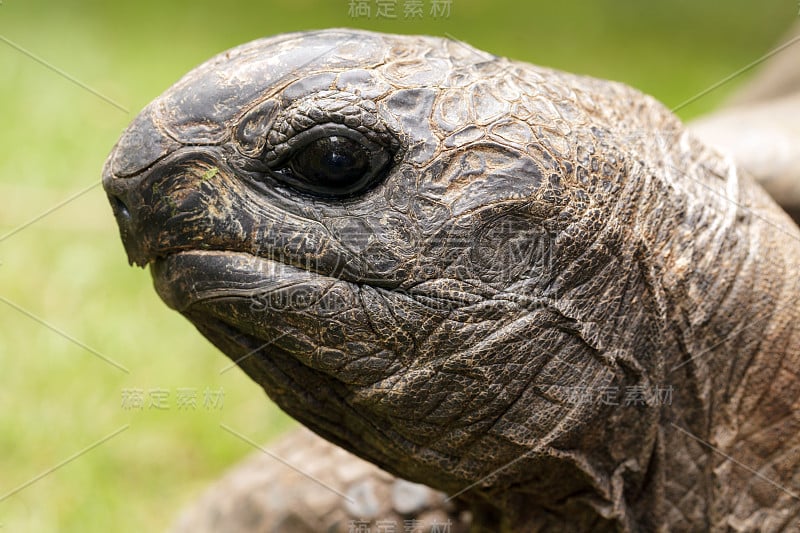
column 517, row 234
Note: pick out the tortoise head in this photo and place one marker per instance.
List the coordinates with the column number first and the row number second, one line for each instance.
column 403, row 240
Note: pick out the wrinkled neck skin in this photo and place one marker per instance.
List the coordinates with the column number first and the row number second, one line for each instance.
column 697, row 302
column 726, row 282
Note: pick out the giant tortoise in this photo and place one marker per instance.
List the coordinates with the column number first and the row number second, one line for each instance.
column 531, row 290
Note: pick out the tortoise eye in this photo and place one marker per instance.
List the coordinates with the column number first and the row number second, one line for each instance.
column 332, row 160
column 336, row 162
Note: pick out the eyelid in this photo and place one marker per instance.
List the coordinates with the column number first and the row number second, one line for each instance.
column 327, row 108
column 302, row 139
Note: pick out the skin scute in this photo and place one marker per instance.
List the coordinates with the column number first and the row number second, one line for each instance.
column 532, row 290
column 345, row 494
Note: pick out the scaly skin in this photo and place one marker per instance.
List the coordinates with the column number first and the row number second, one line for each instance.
column 332, row 491
column 539, row 294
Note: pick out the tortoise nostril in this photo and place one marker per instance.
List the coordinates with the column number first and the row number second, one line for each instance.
column 119, row 207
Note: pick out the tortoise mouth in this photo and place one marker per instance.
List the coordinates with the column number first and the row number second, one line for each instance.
column 238, row 300
column 246, row 304
column 188, row 279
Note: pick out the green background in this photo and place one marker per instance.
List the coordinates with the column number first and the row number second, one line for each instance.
column 68, row 268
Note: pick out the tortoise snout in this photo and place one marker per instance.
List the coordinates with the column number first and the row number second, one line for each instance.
column 120, row 208
column 139, row 149
column 118, row 196
column 122, row 195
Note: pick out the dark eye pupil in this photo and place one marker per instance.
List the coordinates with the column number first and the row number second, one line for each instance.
column 331, row 162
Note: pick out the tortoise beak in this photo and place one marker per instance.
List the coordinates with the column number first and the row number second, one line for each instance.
column 141, row 146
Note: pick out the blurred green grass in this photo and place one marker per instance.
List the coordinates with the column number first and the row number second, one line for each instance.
column 68, row 269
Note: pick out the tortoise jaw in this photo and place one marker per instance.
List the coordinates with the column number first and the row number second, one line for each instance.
column 187, row 279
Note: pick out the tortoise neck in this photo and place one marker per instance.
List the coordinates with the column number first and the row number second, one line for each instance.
column 733, row 354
